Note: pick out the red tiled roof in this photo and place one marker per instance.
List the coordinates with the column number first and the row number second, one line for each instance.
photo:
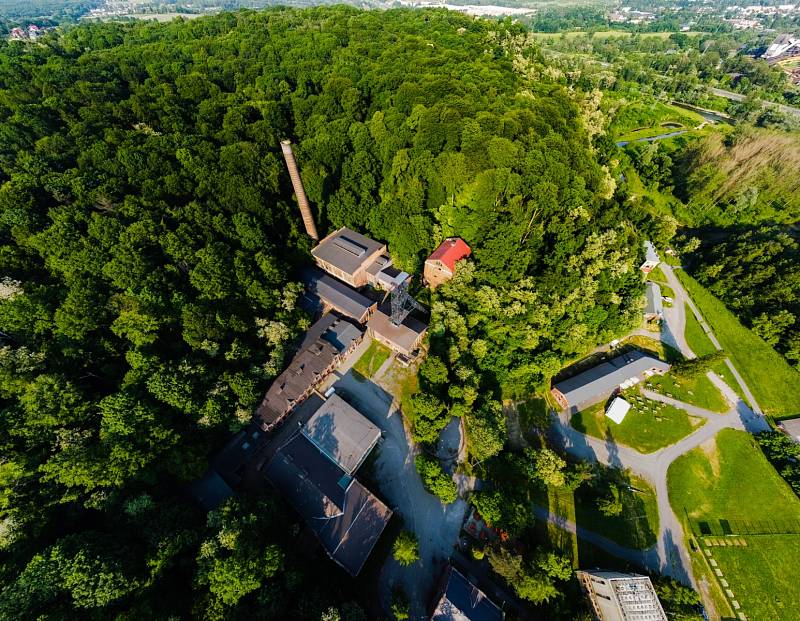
column 451, row 250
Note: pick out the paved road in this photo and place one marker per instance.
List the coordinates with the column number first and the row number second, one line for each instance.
column 681, row 293
column 719, row 92
column 669, row 555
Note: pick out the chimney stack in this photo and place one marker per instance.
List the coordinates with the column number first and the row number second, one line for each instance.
column 297, row 183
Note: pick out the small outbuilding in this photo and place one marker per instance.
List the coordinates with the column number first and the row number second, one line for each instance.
column 651, row 259
column 791, row 427
column 654, row 304
column 441, row 265
column 458, row 599
column 617, row 410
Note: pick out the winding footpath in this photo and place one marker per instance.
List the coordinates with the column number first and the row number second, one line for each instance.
column 669, row 555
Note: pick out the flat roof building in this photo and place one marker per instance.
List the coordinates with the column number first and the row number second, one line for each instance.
column 342, row 433
column 460, row 600
column 621, row 597
column 325, row 344
column 344, row 515
column 330, row 293
column 350, row 257
column 403, row 338
column 599, row 382
column 654, row 305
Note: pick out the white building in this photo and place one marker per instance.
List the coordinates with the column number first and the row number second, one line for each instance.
column 621, row 597
column 618, row 409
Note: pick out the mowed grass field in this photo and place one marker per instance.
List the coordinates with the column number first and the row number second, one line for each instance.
column 701, row 345
column 729, row 478
column 647, row 427
column 774, row 384
column 697, row 391
column 372, row 359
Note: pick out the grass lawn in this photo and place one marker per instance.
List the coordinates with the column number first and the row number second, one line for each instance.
column 655, row 347
column 698, row 391
column 775, row 385
column 731, row 479
column 701, row 345
column 636, row 527
column 372, row 359
column 642, row 429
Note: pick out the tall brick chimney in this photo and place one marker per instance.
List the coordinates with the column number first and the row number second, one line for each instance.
column 297, row 183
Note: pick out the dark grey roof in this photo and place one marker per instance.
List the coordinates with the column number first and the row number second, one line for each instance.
column 231, row 460
column 654, row 305
column 404, row 336
column 342, row 433
column 323, row 343
column 463, row 601
column 604, row 378
column 337, row 294
column 210, row 491
column 347, row 250
column 345, row 516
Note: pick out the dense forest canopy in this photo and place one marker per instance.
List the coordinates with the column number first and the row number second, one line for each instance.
column 148, row 250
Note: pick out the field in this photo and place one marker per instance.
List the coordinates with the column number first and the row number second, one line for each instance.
column 635, row 527
column 698, row 391
column 642, row 120
column 372, row 359
column 775, row 385
column 730, row 479
column 701, row 345
column 646, row 430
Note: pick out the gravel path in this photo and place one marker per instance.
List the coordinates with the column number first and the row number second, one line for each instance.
column 437, row 527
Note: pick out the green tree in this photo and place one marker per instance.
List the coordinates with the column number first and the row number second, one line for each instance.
column 406, row 548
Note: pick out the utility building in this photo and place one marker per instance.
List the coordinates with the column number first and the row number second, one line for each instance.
column 654, row 304
column 326, row 293
column 621, row 597
column 403, row 337
column 441, row 265
column 651, row 259
column 599, row 382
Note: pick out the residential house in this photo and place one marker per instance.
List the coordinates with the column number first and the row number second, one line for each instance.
column 599, row 382
column 325, row 345
column 458, row 599
column 654, row 304
column 441, row 265
column 617, row 596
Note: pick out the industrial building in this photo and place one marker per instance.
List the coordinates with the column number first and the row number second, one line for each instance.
column 325, row 293
column 621, row 597
column 351, row 257
column 459, row 600
column 601, row 381
column 326, row 344
column 314, row 470
column 441, row 265
column 402, row 338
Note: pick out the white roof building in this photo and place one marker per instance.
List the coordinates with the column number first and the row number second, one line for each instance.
column 618, row 409
column 621, row 597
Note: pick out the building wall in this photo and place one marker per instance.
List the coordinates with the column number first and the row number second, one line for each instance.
column 436, row 273
column 562, row 400
column 648, row 266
